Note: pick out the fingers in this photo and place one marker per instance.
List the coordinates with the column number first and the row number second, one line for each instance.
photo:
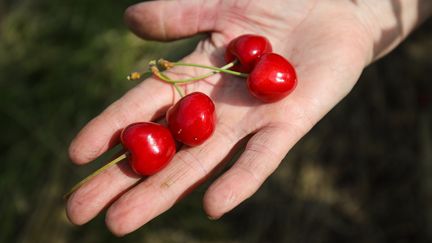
column 323, row 81
column 168, row 20
column 143, row 103
column 262, row 155
column 95, row 195
column 92, row 197
column 159, row 192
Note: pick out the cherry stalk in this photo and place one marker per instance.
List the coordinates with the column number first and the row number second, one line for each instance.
column 97, row 172
column 150, row 147
column 165, row 65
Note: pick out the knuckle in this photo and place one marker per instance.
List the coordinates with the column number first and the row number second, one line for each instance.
column 261, row 149
column 251, row 173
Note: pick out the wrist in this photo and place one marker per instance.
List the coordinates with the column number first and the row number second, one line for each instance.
column 389, row 22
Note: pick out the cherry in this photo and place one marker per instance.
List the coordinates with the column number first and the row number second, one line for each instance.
column 192, row 119
column 150, row 145
column 247, row 49
column 272, row 79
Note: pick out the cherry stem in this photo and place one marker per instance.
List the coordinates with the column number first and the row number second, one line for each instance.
column 167, row 79
column 179, row 91
column 153, row 69
column 225, row 69
column 97, row 172
column 167, row 65
column 164, row 77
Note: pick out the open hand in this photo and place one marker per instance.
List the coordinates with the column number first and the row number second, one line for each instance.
column 328, row 43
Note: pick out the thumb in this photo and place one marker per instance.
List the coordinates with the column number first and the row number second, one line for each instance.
column 172, row 19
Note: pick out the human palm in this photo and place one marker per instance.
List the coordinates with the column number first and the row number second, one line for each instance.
column 325, row 40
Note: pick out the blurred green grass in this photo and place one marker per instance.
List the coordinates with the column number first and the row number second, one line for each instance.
column 361, row 175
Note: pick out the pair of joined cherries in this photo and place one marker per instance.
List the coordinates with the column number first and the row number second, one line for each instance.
column 271, row 77
column 151, row 146
column 191, row 121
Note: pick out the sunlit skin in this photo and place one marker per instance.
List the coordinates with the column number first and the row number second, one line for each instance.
column 329, row 42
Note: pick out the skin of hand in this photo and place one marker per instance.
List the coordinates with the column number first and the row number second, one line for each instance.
column 329, row 42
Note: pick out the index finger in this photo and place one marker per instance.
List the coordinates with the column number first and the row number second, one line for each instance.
column 145, row 102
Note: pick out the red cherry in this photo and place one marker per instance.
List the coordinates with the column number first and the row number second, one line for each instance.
column 192, row 119
column 150, row 145
column 272, row 79
column 247, row 49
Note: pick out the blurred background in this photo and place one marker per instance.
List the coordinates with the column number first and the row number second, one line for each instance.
column 363, row 174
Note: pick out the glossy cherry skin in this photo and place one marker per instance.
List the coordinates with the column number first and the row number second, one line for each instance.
column 192, row 119
column 272, row 79
column 247, row 49
column 150, row 147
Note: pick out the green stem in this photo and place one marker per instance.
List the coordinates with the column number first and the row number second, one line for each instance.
column 97, row 172
column 224, row 69
column 215, row 70
column 179, row 91
column 187, row 80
